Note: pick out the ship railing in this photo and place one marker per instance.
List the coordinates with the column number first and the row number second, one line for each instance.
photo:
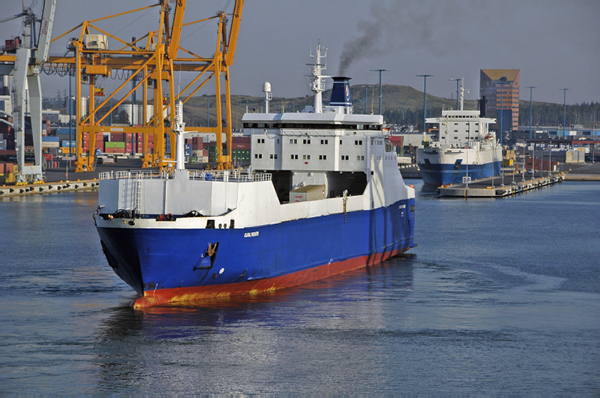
column 228, row 175
column 199, row 175
column 127, row 174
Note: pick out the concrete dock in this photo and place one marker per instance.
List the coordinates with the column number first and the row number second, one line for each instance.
column 69, row 181
column 498, row 187
column 66, row 180
column 581, row 172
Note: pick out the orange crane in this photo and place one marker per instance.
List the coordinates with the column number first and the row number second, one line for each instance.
column 152, row 61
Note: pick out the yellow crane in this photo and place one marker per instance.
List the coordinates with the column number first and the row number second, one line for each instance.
column 152, row 61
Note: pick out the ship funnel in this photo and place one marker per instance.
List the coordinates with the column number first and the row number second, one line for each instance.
column 340, row 94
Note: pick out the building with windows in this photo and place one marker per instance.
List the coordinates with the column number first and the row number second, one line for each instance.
column 499, row 93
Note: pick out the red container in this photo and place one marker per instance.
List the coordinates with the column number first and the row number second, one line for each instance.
column 47, row 156
column 241, row 140
column 115, row 150
column 244, row 145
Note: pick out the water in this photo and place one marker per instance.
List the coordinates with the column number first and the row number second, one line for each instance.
column 500, row 297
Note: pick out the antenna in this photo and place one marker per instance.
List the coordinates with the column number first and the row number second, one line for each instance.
column 457, row 80
column 318, row 84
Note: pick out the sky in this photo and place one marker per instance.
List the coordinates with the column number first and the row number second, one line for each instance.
column 555, row 43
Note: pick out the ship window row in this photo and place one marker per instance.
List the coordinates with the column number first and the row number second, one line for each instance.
column 273, row 156
column 313, row 126
column 258, row 156
column 346, row 157
column 304, row 141
column 358, row 142
column 260, row 141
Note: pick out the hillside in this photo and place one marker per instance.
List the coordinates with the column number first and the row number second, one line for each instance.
column 395, row 99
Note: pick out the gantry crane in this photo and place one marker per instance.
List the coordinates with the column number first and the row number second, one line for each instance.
column 24, row 69
column 151, row 62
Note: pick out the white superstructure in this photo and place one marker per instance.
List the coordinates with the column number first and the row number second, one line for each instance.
column 463, row 141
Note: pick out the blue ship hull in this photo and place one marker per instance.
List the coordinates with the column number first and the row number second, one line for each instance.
column 173, row 262
column 445, row 174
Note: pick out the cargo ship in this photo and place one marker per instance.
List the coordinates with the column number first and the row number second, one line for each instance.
column 464, row 148
column 323, row 195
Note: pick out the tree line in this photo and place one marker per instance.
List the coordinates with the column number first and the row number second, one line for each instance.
column 547, row 114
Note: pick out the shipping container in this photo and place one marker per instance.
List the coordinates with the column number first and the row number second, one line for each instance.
column 114, row 150
column 241, row 140
column 113, row 144
column 235, row 146
column 307, row 193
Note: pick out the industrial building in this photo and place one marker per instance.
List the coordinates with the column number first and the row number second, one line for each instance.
column 499, row 92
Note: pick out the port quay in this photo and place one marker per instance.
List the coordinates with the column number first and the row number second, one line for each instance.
column 507, row 184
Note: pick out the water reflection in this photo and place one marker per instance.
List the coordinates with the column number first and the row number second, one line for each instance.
column 197, row 343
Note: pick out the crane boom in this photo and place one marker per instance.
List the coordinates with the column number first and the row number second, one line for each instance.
column 233, row 32
column 47, row 23
column 176, row 30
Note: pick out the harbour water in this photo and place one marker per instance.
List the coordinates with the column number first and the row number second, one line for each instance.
column 502, row 296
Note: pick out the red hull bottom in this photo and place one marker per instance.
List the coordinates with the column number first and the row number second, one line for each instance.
column 187, row 294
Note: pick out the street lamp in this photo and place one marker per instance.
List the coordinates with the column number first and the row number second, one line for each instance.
column 380, row 93
column 367, row 99
column 501, row 82
column 531, row 117
column 565, row 110
column 403, row 114
column 424, row 99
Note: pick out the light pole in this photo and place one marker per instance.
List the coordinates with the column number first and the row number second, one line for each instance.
column 565, row 110
column 380, row 92
column 530, row 117
column 403, row 113
column 501, row 82
column 70, row 116
column 424, row 100
column 457, row 84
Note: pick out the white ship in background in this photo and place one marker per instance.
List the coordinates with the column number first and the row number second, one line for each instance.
column 464, row 147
